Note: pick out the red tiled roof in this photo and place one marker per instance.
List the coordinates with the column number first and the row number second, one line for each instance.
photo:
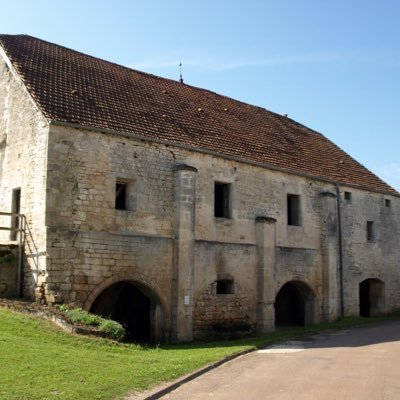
column 73, row 87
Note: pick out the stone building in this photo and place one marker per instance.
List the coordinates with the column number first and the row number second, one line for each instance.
column 181, row 212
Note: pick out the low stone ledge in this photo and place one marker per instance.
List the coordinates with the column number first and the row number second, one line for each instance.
column 50, row 314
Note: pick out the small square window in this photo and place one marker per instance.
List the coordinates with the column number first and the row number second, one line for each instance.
column 225, row 286
column 121, row 195
column 370, row 230
column 293, row 209
column 347, row 196
column 222, row 201
column 387, row 203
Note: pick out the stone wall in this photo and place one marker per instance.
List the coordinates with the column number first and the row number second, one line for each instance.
column 224, row 315
column 233, row 312
column 377, row 258
column 23, row 154
column 91, row 244
column 170, row 221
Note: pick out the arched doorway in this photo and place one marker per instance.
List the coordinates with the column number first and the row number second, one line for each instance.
column 295, row 305
column 135, row 306
column 372, row 297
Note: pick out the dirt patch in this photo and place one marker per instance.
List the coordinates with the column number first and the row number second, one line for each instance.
column 30, row 307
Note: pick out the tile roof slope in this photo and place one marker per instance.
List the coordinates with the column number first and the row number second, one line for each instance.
column 73, row 87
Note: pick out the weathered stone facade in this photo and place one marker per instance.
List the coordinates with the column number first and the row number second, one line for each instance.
column 23, row 164
column 201, row 274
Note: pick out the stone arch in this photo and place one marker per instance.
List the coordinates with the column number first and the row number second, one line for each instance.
column 371, row 297
column 135, row 303
column 141, row 279
column 296, row 303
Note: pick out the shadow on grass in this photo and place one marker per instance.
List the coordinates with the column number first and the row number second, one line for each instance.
column 280, row 334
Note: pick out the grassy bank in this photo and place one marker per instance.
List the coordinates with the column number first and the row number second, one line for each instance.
column 38, row 361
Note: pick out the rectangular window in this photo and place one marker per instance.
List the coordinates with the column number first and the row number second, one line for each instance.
column 225, row 286
column 293, row 209
column 222, row 192
column 16, row 209
column 121, row 195
column 370, row 230
column 387, row 203
column 347, row 196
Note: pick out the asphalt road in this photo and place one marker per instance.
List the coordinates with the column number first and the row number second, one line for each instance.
column 358, row 364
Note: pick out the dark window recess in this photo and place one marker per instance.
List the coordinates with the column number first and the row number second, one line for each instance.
column 387, row 203
column 225, row 286
column 121, row 196
column 15, row 208
column 293, row 209
column 347, row 196
column 222, row 200
column 370, row 230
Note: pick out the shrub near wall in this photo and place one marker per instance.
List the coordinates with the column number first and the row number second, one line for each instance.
column 78, row 316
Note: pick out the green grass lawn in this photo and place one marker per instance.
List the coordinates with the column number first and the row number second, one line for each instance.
column 38, row 361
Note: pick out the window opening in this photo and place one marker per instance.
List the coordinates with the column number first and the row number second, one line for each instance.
column 293, row 209
column 387, row 203
column 370, row 230
column 15, row 208
column 222, row 200
column 347, row 196
column 121, row 196
column 225, row 286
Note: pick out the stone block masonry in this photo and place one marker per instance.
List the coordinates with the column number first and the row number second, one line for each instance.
column 169, row 239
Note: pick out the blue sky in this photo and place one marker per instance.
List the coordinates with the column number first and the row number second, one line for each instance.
column 331, row 65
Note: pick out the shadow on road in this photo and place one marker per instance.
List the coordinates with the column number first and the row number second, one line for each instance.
column 366, row 335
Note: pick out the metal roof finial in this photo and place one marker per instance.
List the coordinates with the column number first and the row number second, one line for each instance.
column 180, row 72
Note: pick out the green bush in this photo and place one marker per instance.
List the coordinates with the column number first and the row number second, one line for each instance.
column 112, row 329
column 82, row 317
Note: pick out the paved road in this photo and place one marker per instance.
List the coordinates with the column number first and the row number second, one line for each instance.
column 357, row 364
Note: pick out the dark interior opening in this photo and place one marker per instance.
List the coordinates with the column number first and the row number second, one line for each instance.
column 289, row 306
column 370, row 230
column 125, row 303
column 224, row 286
column 293, row 209
column 221, row 200
column 347, row 196
column 372, row 297
column 120, row 196
column 364, row 299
